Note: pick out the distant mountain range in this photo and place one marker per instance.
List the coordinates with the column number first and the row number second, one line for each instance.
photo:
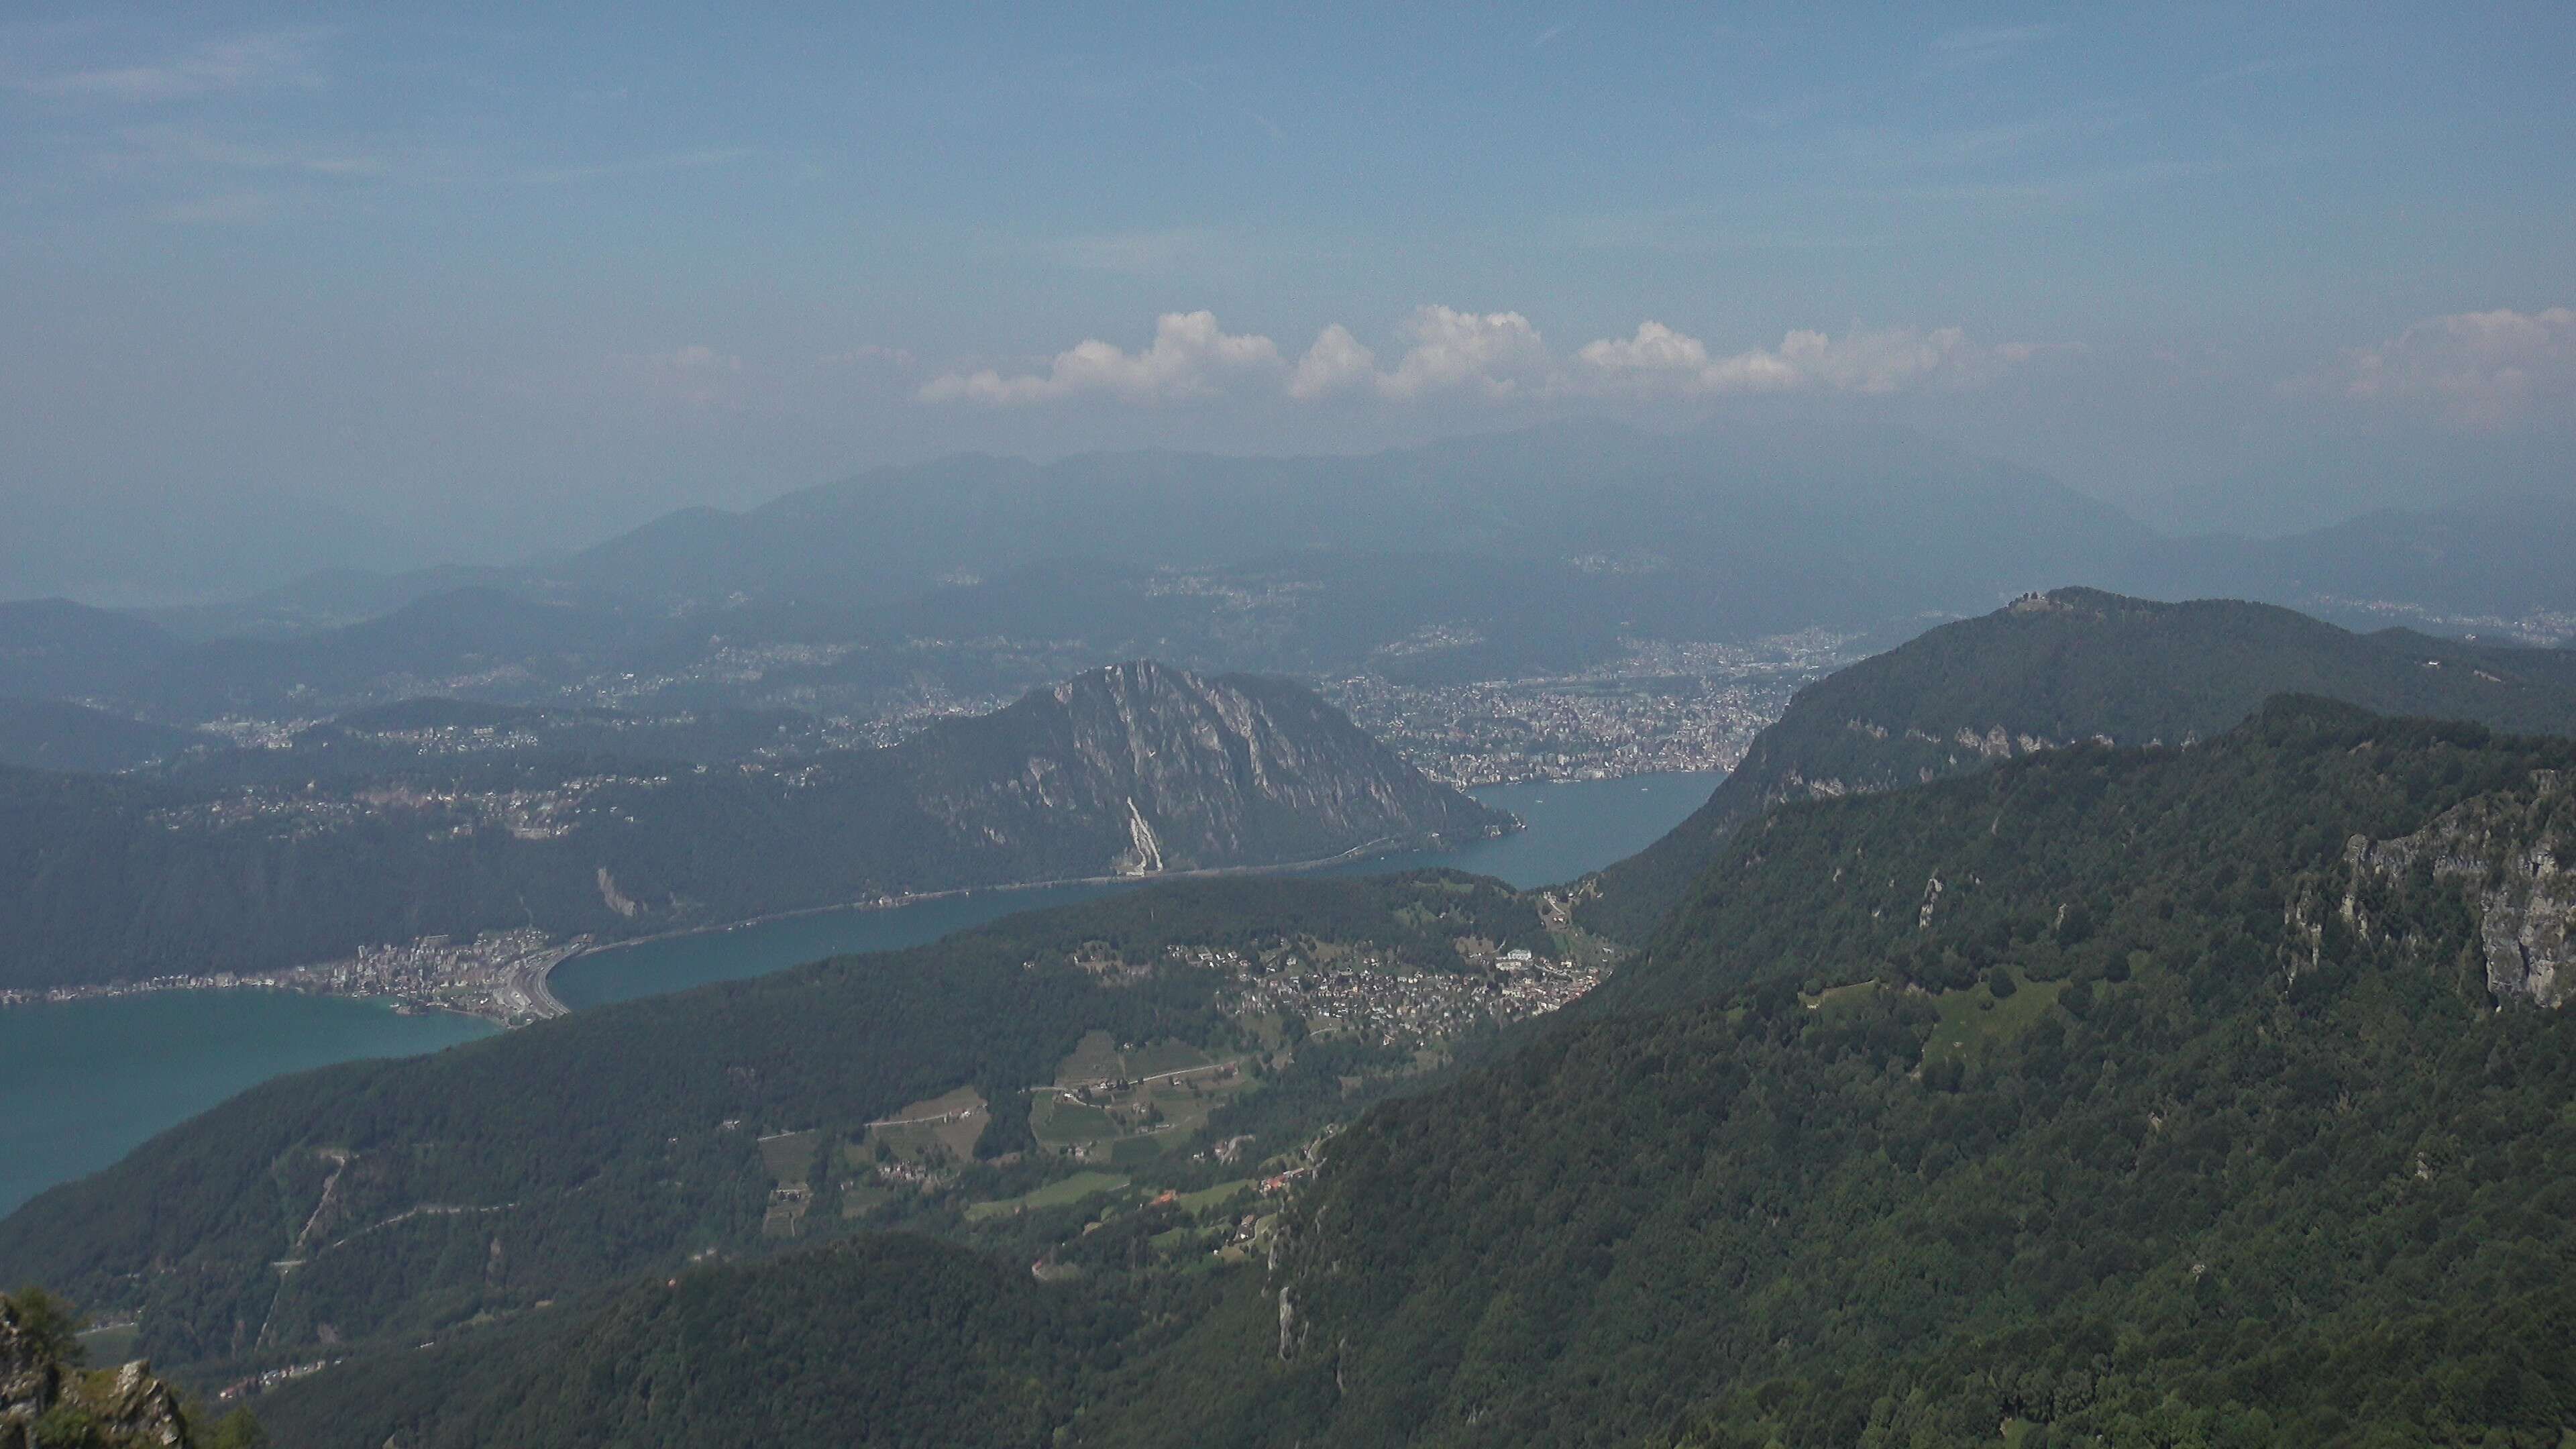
column 1512, row 556
column 439, row 818
column 2064, row 667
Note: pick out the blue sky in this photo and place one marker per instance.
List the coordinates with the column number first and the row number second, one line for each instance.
column 486, row 281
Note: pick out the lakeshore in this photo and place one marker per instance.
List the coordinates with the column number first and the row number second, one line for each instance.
column 505, row 977
column 84, row 1082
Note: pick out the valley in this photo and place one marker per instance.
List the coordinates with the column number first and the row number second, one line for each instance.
column 204, row 1048
column 437, row 835
column 1236, row 727
column 1240, row 1117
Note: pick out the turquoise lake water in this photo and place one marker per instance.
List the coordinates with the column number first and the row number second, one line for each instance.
column 83, row 1083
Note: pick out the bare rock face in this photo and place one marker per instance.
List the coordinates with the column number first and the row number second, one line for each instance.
column 30, row 1380
column 1148, row 769
column 140, row 1409
column 2512, row 850
column 44, row 1400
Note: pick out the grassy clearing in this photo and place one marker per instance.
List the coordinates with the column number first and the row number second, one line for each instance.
column 1164, row 1056
column 1059, row 1123
column 944, row 1126
column 1135, row 1151
column 1974, row 1019
column 789, row 1156
column 1080, row 1186
column 1200, row 1203
column 1835, row 997
column 1094, row 1059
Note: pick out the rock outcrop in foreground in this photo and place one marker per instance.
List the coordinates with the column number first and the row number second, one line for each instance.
column 45, row 1400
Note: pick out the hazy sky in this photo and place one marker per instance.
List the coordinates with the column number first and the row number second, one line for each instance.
column 484, row 282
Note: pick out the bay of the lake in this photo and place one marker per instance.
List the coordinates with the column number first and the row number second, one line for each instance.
column 83, row 1083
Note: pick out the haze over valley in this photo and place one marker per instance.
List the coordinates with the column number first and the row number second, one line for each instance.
column 1400, row 727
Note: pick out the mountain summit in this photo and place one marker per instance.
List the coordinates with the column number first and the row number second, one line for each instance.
column 2073, row 665
column 1139, row 769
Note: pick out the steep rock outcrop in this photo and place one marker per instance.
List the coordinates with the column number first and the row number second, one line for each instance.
column 1171, row 771
column 2512, row 851
column 44, row 1400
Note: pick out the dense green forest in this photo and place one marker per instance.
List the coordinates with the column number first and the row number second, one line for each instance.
column 422, row 1193
column 256, row 860
column 892, row 1341
column 2068, row 666
column 2168, row 1124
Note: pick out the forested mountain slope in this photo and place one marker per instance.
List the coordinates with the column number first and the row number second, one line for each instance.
column 1136, row 770
column 2171, row 1096
column 893, row 1341
column 44, row 734
column 2217, row 1097
column 2075, row 664
column 413, row 1197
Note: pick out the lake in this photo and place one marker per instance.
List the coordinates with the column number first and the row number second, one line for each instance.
column 83, row 1083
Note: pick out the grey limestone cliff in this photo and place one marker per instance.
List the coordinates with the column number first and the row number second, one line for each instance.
column 2511, row 851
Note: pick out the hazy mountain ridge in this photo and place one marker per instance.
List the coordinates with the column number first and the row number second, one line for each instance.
column 45, row 734
column 2072, row 665
column 1522, row 554
column 1134, row 770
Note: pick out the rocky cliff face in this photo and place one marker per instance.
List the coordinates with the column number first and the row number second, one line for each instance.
column 2511, row 851
column 1162, row 770
column 44, row 1400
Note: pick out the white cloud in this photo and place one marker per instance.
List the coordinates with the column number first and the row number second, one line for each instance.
column 1660, row 360
column 1493, row 353
column 1336, row 363
column 240, row 63
column 1496, row 356
column 1191, row 357
column 2477, row 369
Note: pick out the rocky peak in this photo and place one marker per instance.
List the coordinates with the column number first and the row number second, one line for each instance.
column 1166, row 770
